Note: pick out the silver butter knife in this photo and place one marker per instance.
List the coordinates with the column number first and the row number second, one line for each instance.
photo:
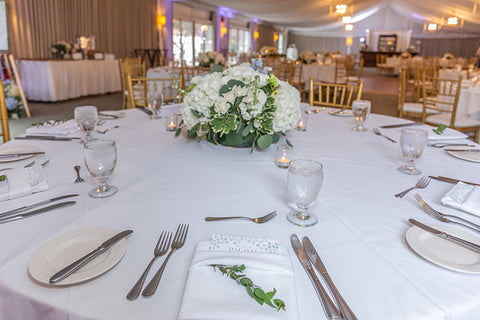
column 330, row 309
column 391, row 126
column 441, row 234
column 20, row 154
column 71, row 268
column 49, row 138
column 450, row 180
column 41, row 203
column 312, row 254
column 18, row 216
column 463, row 150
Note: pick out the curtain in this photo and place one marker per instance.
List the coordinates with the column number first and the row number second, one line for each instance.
column 119, row 26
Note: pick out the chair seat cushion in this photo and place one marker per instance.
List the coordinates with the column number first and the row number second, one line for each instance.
column 415, row 107
column 460, row 122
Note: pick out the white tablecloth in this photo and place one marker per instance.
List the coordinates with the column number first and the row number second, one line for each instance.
column 56, row 80
column 320, row 73
column 164, row 181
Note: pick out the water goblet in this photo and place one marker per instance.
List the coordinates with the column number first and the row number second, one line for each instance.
column 412, row 143
column 360, row 110
column 87, row 118
column 304, row 181
column 100, row 159
column 155, row 102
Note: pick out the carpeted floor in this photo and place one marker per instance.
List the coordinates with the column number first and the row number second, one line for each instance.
column 381, row 90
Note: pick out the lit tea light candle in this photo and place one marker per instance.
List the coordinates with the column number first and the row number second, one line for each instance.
column 302, row 126
column 283, row 156
column 171, row 122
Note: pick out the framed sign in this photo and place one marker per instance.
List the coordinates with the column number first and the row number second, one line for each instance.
column 3, row 26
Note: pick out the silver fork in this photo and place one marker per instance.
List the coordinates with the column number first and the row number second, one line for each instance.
column 177, row 243
column 263, row 219
column 79, row 179
column 160, row 249
column 422, row 183
column 378, row 133
column 106, row 130
column 444, row 217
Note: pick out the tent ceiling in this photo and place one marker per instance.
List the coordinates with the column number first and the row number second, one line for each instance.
column 312, row 16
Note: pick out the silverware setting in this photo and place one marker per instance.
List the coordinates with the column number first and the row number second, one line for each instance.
column 317, row 110
column 450, row 180
column 108, row 115
column 463, row 150
column 329, row 307
column 101, row 121
column 30, row 164
column 31, row 206
column 49, row 138
column 263, row 219
column 178, row 242
column 392, row 126
column 446, row 217
column 106, row 130
column 378, row 133
column 18, row 155
column 160, row 249
column 73, row 267
column 422, row 183
column 79, row 179
column 445, row 235
column 442, row 145
column 20, row 215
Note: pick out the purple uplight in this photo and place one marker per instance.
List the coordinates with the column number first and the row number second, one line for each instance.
column 226, row 12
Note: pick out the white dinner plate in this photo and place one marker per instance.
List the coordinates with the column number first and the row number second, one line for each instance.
column 444, row 252
column 17, row 149
column 109, row 115
column 65, row 249
column 344, row 113
column 466, row 155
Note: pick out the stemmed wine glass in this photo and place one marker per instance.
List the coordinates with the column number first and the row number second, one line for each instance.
column 360, row 110
column 304, row 181
column 155, row 102
column 87, row 118
column 100, row 159
column 412, row 142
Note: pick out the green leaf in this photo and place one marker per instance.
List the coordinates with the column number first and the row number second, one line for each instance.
column 178, row 131
column 269, row 303
column 216, row 68
column 195, row 113
column 250, row 292
column 275, row 138
column 259, row 293
column 269, row 295
column 192, row 133
column 224, row 89
column 288, row 143
column 246, row 131
column 246, row 282
column 439, row 129
column 234, row 82
column 264, row 141
column 280, row 304
column 3, row 177
column 259, row 300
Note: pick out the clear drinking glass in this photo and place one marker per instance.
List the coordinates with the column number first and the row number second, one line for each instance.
column 360, row 110
column 87, row 118
column 304, row 181
column 155, row 102
column 100, row 159
column 412, row 142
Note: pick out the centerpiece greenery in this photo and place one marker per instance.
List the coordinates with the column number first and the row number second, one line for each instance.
column 63, row 49
column 13, row 100
column 208, row 59
column 308, row 57
column 243, row 106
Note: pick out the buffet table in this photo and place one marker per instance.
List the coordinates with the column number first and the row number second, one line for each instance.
column 56, row 80
column 164, row 181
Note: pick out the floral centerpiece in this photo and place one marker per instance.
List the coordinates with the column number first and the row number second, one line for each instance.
column 13, row 100
column 308, row 57
column 268, row 51
column 405, row 55
column 208, row 59
column 448, row 56
column 243, row 106
column 63, row 49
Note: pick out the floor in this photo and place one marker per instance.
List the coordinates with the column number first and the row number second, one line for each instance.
column 380, row 89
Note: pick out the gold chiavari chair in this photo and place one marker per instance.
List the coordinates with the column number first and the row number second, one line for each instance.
column 5, row 134
column 140, row 87
column 188, row 73
column 341, row 67
column 283, row 71
column 381, row 62
column 133, row 68
column 442, row 96
column 334, row 94
column 296, row 79
column 355, row 78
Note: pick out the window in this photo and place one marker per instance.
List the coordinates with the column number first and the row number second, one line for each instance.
column 239, row 40
column 191, row 38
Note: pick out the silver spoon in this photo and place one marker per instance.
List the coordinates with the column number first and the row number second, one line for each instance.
column 106, row 130
column 263, row 219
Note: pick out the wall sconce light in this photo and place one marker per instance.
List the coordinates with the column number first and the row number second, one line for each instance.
column 348, row 27
column 256, row 35
column 275, row 37
column 204, row 28
column 223, row 31
column 161, row 20
column 349, row 41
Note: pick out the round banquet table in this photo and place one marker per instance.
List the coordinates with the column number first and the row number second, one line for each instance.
column 164, row 181
column 320, row 73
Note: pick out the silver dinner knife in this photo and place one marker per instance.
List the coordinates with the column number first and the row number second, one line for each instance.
column 20, row 154
column 17, row 216
column 49, row 138
column 445, row 235
column 400, row 125
column 463, row 150
column 330, row 309
column 312, row 254
column 41, row 203
column 71, row 268
column 450, row 180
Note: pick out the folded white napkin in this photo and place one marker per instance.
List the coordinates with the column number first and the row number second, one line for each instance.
column 447, row 134
column 22, row 182
column 465, row 197
column 209, row 295
column 67, row 128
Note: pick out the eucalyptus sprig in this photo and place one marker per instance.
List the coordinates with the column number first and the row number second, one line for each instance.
column 439, row 129
column 52, row 122
column 2, row 177
column 234, row 272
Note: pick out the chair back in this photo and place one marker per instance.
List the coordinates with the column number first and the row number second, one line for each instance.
column 341, row 67
column 334, row 94
column 139, row 88
column 5, row 134
column 188, row 73
column 441, row 95
column 355, row 77
column 283, row 71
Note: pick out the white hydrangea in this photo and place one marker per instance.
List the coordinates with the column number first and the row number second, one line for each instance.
column 287, row 114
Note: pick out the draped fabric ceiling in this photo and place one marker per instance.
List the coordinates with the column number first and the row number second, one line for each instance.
column 311, row 17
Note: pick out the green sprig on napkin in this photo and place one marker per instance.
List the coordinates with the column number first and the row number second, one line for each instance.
column 2, row 177
column 234, row 272
column 439, row 129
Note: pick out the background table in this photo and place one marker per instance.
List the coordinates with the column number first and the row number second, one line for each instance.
column 164, row 181
column 56, row 80
column 320, row 73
